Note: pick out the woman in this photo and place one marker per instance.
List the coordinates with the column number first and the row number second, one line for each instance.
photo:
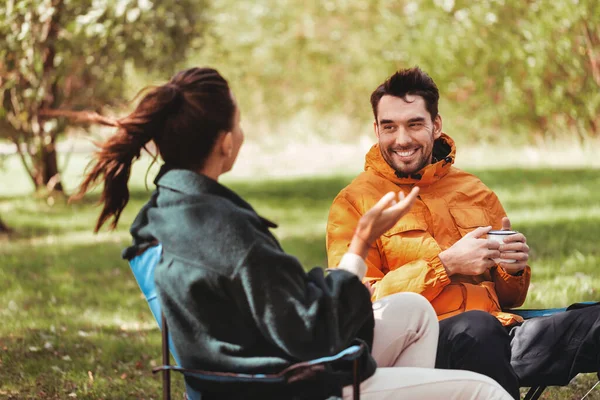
column 234, row 300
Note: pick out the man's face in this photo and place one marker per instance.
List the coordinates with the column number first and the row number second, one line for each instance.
column 406, row 132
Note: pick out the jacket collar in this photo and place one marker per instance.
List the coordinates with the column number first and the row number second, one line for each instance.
column 444, row 153
column 193, row 184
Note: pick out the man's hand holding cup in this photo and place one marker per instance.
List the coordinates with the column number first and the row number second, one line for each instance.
column 514, row 251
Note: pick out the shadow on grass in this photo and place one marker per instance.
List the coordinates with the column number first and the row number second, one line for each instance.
column 543, row 188
column 71, row 358
column 514, row 177
column 70, row 309
column 321, row 190
column 88, row 282
column 30, row 218
column 309, row 250
column 561, row 237
column 34, row 218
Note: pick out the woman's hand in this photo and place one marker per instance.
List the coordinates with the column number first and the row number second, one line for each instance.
column 379, row 219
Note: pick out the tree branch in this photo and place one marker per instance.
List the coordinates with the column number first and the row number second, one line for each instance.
column 23, row 159
column 591, row 52
column 82, row 117
column 49, row 53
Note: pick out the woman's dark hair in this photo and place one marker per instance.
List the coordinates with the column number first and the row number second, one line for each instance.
column 409, row 81
column 183, row 117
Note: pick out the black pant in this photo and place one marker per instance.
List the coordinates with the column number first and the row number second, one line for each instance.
column 541, row 351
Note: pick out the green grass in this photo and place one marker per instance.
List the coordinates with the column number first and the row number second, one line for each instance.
column 75, row 324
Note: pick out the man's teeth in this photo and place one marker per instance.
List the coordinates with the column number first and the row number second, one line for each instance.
column 405, row 153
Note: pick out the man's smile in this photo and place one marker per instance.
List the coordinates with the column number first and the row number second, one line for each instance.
column 405, row 154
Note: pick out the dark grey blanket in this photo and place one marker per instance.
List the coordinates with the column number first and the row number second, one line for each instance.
column 234, row 300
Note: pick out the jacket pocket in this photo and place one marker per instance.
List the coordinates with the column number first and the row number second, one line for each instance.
column 407, row 241
column 410, row 222
column 467, row 219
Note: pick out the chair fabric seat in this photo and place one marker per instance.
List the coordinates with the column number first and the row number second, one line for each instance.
column 143, row 266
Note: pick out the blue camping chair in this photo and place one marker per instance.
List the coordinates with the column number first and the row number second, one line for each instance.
column 143, row 266
column 536, row 391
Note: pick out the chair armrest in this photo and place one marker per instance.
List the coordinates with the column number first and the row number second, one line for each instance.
column 351, row 353
column 528, row 313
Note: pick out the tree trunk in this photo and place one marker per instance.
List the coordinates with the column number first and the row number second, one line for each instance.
column 47, row 175
column 3, row 227
column 46, row 172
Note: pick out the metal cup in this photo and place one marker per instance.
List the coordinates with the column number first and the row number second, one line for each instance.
column 498, row 236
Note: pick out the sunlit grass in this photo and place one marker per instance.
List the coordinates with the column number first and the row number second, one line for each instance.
column 74, row 321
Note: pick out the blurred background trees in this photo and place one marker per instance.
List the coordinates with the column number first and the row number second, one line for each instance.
column 527, row 67
column 61, row 56
column 525, row 70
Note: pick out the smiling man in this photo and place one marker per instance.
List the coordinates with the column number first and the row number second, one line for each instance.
column 409, row 152
column 441, row 251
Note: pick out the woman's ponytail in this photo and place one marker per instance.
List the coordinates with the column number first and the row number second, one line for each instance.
column 114, row 158
column 183, row 118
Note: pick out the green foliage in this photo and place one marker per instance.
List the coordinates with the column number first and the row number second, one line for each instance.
column 93, row 42
column 531, row 68
column 73, row 54
column 69, row 304
column 537, row 63
column 526, row 66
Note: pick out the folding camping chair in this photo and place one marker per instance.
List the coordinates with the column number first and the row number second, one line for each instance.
column 536, row 391
column 143, row 266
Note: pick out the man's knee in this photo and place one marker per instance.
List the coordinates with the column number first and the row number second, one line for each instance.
column 474, row 329
column 477, row 341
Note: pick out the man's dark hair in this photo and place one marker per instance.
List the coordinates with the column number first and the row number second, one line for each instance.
column 411, row 81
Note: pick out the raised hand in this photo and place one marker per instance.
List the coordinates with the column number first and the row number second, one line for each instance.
column 380, row 218
column 384, row 215
column 471, row 255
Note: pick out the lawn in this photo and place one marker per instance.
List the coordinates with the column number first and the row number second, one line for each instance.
column 76, row 326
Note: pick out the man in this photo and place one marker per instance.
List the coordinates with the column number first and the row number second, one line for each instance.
column 440, row 250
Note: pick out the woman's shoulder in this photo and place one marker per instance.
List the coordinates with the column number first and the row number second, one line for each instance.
column 208, row 214
column 205, row 231
column 205, row 212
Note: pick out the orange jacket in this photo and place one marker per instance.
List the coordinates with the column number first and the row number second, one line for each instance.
column 451, row 203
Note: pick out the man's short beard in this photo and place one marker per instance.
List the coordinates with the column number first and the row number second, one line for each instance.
column 426, row 161
column 420, row 167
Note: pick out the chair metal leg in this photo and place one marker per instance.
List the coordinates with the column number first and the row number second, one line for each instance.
column 356, row 383
column 590, row 391
column 530, row 393
column 166, row 374
column 535, row 392
column 539, row 392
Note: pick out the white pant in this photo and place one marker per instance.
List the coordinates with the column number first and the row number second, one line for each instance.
column 404, row 346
